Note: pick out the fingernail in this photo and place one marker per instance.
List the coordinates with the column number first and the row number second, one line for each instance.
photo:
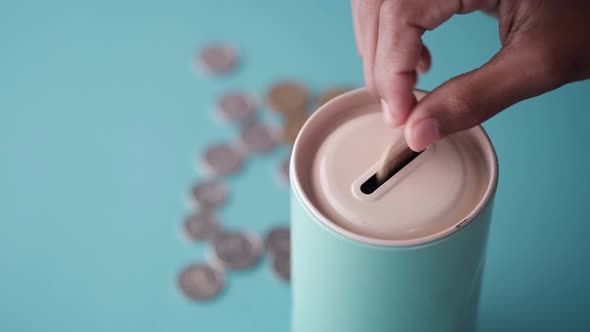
column 388, row 115
column 424, row 133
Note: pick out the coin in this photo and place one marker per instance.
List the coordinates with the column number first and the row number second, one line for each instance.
column 283, row 171
column 287, row 97
column 217, row 58
column 237, row 106
column 200, row 282
column 281, row 266
column 201, row 225
column 330, row 94
column 237, row 250
column 278, row 241
column 258, row 138
column 221, row 159
column 292, row 128
column 394, row 157
column 209, row 193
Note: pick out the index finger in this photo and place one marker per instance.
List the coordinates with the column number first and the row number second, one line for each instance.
column 354, row 5
column 401, row 25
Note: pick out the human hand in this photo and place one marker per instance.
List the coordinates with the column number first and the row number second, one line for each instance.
column 545, row 44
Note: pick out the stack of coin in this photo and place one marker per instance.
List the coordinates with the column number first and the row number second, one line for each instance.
column 238, row 250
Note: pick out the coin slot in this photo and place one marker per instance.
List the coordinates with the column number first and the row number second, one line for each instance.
column 373, row 183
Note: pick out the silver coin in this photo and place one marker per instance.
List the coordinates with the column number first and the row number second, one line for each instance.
column 202, row 225
column 222, row 160
column 209, row 193
column 278, row 241
column 237, row 250
column 258, row 138
column 237, row 106
column 283, row 172
column 217, row 58
column 200, row 282
column 281, row 266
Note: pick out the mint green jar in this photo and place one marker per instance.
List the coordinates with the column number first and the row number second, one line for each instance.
column 409, row 257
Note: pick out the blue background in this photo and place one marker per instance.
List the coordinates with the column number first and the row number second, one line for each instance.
column 101, row 119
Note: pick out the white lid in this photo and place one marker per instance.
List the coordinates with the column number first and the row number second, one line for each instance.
column 339, row 149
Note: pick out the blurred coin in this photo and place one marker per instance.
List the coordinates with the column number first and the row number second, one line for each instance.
column 330, row 94
column 283, row 171
column 288, row 97
column 221, row 159
column 292, row 128
column 237, row 106
column 202, row 225
column 237, row 250
column 217, row 58
column 278, row 241
column 281, row 266
column 209, row 193
column 258, row 138
column 200, row 282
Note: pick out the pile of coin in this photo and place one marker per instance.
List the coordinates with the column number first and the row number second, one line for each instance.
column 228, row 250
column 238, row 250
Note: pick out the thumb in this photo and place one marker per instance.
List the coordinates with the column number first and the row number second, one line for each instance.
column 471, row 98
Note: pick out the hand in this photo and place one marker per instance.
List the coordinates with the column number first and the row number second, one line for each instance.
column 545, row 44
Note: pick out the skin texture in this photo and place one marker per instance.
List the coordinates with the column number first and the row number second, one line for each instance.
column 545, row 44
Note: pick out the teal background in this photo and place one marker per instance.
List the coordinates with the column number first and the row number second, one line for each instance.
column 101, row 119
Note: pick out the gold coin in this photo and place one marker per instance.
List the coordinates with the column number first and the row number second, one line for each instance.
column 292, row 128
column 287, row 97
column 330, row 94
